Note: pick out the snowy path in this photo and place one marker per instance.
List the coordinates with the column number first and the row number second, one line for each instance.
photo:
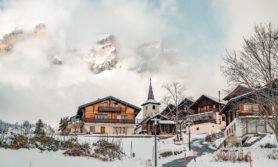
column 199, row 148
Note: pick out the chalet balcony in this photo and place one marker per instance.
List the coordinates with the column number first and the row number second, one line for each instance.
column 122, row 121
column 202, row 117
column 109, row 109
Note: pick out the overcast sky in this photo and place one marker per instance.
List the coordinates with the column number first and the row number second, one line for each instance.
column 194, row 33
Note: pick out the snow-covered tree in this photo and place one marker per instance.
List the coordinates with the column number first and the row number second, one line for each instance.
column 174, row 96
column 256, row 66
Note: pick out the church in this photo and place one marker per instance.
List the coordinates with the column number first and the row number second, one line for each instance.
column 150, row 113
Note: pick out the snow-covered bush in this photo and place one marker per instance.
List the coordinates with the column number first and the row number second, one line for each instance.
column 169, row 153
column 273, row 155
column 78, row 150
column 268, row 145
column 18, row 141
column 232, row 155
column 166, row 154
column 45, row 143
column 107, row 151
column 68, row 144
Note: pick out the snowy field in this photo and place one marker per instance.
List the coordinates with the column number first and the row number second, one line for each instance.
column 143, row 149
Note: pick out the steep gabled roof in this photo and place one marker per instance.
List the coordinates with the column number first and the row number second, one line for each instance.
column 150, row 99
column 170, row 107
column 152, row 117
column 239, row 90
column 186, row 101
column 211, row 98
column 137, row 109
column 234, row 99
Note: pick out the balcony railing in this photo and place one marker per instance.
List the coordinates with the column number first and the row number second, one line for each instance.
column 202, row 117
column 109, row 109
column 124, row 121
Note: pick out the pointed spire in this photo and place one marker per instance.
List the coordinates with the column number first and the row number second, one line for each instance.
column 150, row 94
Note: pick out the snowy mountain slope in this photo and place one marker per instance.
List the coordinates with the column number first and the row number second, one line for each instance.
column 9, row 40
column 104, row 55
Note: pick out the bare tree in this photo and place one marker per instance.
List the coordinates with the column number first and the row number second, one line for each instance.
column 175, row 95
column 256, row 66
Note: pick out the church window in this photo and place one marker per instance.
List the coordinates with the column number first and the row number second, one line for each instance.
column 154, row 107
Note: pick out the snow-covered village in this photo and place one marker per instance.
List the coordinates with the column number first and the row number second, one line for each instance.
column 143, row 83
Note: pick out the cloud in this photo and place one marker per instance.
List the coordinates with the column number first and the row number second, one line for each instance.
column 31, row 87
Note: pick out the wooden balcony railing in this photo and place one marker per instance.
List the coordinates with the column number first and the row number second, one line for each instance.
column 109, row 109
column 123, row 121
column 202, row 117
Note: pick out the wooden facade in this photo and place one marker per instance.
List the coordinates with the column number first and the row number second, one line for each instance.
column 108, row 114
column 206, row 109
column 207, row 104
column 165, row 125
column 244, row 105
column 184, row 108
column 244, row 114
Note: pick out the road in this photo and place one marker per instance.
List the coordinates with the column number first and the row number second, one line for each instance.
column 200, row 149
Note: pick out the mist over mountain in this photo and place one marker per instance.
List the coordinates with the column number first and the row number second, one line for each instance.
column 57, row 55
column 68, row 54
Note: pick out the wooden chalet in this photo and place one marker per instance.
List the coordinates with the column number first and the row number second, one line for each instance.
column 244, row 115
column 165, row 125
column 205, row 109
column 108, row 115
column 205, row 116
column 184, row 108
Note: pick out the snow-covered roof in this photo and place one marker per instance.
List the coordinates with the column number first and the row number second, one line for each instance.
column 166, row 122
column 150, row 101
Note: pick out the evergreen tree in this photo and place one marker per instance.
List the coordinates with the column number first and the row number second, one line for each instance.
column 63, row 124
column 39, row 128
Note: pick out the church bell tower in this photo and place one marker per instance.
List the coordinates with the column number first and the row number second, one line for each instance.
column 151, row 106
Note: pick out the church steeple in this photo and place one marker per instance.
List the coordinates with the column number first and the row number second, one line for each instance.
column 151, row 106
column 150, row 94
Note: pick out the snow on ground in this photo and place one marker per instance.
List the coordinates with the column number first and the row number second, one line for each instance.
column 268, row 139
column 218, row 142
column 141, row 146
column 143, row 149
column 259, row 157
column 34, row 158
column 252, row 139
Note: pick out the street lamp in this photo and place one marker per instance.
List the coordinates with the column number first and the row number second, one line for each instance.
column 188, row 124
column 155, row 141
column 180, row 122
